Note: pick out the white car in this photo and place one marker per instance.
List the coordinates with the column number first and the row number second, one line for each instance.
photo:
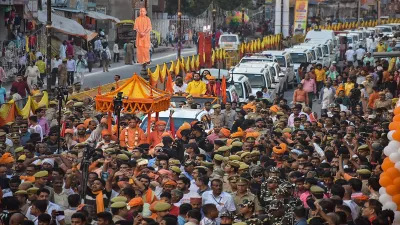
column 284, row 60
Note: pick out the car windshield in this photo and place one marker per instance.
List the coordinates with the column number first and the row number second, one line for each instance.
column 281, row 60
column 385, row 29
column 318, row 51
column 325, row 49
column 256, row 80
column 177, row 122
column 298, row 57
column 228, row 39
column 239, row 89
column 245, row 60
column 349, row 40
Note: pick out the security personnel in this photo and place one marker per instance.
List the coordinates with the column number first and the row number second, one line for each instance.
column 119, row 211
column 268, row 192
column 41, row 181
column 231, row 169
column 217, row 117
column 247, row 213
column 160, row 210
column 243, row 193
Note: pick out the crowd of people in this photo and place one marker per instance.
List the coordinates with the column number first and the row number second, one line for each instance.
column 262, row 162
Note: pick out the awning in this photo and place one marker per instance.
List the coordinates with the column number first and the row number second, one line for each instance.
column 62, row 24
column 101, row 16
column 90, row 35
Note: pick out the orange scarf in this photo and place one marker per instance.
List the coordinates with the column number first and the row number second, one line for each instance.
column 99, row 201
column 149, row 196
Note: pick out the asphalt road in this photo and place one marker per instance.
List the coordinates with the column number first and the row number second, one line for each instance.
column 97, row 77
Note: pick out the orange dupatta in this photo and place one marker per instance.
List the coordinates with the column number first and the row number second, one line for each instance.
column 99, row 201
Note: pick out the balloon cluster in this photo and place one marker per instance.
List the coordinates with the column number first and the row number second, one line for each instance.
column 236, row 18
column 390, row 178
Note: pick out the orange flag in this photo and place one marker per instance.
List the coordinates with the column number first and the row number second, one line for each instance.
column 223, row 89
column 168, row 86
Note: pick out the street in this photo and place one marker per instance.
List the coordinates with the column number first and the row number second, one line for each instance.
column 97, row 77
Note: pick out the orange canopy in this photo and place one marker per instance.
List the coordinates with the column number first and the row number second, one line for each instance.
column 138, row 95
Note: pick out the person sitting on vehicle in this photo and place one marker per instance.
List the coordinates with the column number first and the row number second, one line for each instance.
column 213, row 88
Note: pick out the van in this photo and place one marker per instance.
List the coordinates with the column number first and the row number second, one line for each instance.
column 395, row 29
column 313, row 51
column 352, row 40
column 323, row 35
column 386, row 30
column 361, row 37
column 243, row 87
column 328, row 50
column 229, row 42
column 259, row 76
column 299, row 56
column 284, row 60
column 323, row 58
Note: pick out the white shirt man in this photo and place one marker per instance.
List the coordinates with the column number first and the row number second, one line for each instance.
column 50, row 207
column 360, row 53
column 224, row 202
column 180, row 89
column 71, row 65
column 55, row 63
column 350, row 55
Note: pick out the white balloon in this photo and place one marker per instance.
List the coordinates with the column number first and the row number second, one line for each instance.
column 388, row 150
column 390, row 205
column 390, row 135
column 397, row 216
column 385, row 198
column 382, row 191
column 394, row 157
column 397, row 165
column 395, row 144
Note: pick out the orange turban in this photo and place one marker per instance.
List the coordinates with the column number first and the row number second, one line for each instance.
column 178, row 134
column 249, row 106
column 274, row 108
column 105, row 132
column 209, row 77
column 280, row 149
column 253, row 134
column 135, row 202
column 166, row 134
column 225, row 132
column 170, row 182
column 239, row 133
column 86, row 122
column 81, row 126
column 69, row 131
column 185, row 126
column 6, row 158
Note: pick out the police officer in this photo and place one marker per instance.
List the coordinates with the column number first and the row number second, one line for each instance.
column 243, row 193
column 217, row 117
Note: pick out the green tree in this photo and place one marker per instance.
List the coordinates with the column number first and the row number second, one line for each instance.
column 188, row 7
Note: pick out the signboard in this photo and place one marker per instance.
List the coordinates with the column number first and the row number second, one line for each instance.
column 300, row 17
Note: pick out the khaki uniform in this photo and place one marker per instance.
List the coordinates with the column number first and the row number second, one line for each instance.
column 218, row 119
column 365, row 189
column 230, row 117
column 249, row 196
column 62, row 75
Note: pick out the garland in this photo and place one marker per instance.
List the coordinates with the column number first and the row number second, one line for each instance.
column 127, row 136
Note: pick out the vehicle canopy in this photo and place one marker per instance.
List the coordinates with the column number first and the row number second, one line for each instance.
column 180, row 115
column 255, row 74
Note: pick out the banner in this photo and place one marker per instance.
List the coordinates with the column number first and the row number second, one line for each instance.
column 300, row 17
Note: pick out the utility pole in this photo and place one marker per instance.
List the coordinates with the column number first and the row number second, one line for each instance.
column 379, row 11
column 179, row 29
column 48, row 52
column 358, row 12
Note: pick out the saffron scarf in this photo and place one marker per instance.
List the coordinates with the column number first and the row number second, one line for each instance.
column 149, row 196
column 99, row 201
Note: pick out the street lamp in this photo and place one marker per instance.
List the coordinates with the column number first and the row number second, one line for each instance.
column 62, row 96
column 243, row 24
column 117, row 109
column 214, row 14
column 179, row 28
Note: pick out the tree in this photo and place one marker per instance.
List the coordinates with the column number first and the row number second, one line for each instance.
column 188, row 7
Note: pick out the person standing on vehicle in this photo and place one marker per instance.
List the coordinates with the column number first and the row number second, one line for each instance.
column 360, row 52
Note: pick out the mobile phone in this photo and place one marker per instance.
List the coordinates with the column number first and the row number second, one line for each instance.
column 60, row 213
column 310, row 203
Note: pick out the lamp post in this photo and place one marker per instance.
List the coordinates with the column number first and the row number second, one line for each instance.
column 48, row 50
column 243, row 24
column 62, row 96
column 117, row 109
column 179, row 29
column 214, row 15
